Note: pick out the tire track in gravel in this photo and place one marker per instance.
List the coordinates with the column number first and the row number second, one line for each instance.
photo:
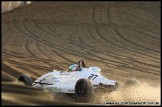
column 115, row 28
column 118, row 53
column 82, row 43
column 61, row 56
column 13, row 62
column 27, row 44
column 29, row 36
column 44, row 41
column 135, row 44
column 147, row 65
column 147, row 35
column 151, row 65
column 40, row 40
column 109, row 18
column 138, row 17
column 27, row 59
column 147, row 11
column 118, row 46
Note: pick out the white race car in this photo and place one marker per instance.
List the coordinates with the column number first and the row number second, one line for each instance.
column 80, row 83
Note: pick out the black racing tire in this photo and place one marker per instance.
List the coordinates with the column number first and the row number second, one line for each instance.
column 26, row 79
column 83, row 90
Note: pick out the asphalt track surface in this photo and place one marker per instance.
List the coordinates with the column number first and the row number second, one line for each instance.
column 122, row 38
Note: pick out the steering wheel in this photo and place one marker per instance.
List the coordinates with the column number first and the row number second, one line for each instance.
column 81, row 64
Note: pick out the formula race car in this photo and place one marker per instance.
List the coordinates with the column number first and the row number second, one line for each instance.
column 81, row 83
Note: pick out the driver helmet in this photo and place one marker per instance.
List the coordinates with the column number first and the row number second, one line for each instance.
column 73, row 67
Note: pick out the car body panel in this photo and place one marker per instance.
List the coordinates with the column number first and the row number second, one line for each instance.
column 63, row 81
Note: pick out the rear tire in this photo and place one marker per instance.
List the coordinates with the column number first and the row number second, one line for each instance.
column 26, row 79
column 83, row 90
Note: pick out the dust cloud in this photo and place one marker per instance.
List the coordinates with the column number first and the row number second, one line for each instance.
column 132, row 90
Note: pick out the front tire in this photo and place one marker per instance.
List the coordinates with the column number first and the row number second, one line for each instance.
column 83, row 90
column 26, row 79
